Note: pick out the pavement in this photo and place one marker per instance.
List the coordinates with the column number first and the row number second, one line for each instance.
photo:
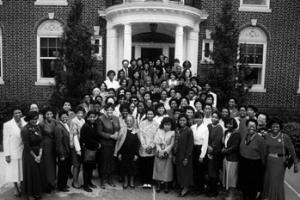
column 292, row 189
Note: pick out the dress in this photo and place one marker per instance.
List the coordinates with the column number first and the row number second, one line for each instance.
column 183, row 149
column 128, row 150
column 49, row 154
column 13, row 147
column 163, row 166
column 34, row 180
column 275, row 170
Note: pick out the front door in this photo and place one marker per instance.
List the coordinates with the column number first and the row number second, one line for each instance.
column 151, row 53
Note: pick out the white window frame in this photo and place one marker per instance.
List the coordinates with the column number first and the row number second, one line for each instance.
column 1, row 58
column 259, row 87
column 42, row 81
column 298, row 92
column 255, row 8
column 207, row 60
column 51, row 3
column 99, row 56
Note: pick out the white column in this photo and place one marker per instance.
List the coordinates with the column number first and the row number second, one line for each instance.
column 111, row 50
column 127, row 41
column 192, row 49
column 179, row 43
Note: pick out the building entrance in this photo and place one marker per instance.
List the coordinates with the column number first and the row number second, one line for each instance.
column 151, row 53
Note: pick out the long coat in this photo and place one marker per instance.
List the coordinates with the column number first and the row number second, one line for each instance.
column 13, row 147
column 183, row 150
column 62, row 141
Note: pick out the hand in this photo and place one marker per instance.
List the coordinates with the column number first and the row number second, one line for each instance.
column 78, row 153
column 8, row 159
column 37, row 159
column 296, row 169
column 201, row 160
column 209, row 149
column 135, row 158
column 119, row 157
column 62, row 158
column 99, row 146
column 185, row 162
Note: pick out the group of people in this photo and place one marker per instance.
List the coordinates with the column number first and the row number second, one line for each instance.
column 154, row 123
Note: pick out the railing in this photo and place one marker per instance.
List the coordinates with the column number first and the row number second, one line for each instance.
column 182, row 2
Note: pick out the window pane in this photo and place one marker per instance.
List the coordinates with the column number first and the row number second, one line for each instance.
column 254, row 74
column 47, row 68
column 52, row 42
column 44, row 52
column 206, row 50
column 44, row 42
column 251, row 53
column 255, row 2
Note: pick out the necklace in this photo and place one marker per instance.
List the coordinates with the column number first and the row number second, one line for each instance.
column 275, row 136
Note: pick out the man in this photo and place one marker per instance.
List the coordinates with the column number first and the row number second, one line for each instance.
column 125, row 68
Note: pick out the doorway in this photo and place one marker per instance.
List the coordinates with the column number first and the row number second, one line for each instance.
column 151, row 53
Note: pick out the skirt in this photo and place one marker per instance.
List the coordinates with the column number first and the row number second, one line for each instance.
column 274, row 179
column 14, row 171
column 163, row 169
column 230, row 174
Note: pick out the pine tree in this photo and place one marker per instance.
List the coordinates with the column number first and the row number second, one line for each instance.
column 226, row 77
column 76, row 68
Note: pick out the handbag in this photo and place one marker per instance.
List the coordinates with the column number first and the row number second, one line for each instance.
column 89, row 155
column 288, row 160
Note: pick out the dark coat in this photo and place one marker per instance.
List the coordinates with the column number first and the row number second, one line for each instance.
column 89, row 138
column 183, row 150
column 62, row 141
column 233, row 147
column 106, row 128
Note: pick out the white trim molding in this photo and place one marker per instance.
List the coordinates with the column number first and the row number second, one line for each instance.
column 207, row 60
column 255, row 7
column 298, row 91
column 48, row 29
column 1, row 59
column 51, row 3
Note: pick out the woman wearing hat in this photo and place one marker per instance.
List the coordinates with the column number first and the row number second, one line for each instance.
column 33, row 181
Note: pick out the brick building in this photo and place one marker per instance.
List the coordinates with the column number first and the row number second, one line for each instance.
column 269, row 38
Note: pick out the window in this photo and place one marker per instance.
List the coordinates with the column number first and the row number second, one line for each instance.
column 51, row 2
column 48, row 51
column 255, row 5
column 252, row 52
column 1, row 60
column 97, row 41
column 207, row 48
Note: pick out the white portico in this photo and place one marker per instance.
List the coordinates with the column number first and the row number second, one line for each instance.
column 129, row 23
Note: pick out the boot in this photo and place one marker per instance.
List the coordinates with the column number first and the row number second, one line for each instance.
column 111, row 182
column 166, row 190
column 125, row 182
column 158, row 187
column 132, row 186
column 102, row 183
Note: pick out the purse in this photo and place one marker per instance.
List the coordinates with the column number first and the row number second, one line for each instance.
column 89, row 155
column 288, row 160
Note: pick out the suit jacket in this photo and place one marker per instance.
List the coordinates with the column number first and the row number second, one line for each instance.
column 12, row 141
column 62, row 141
column 233, row 147
column 107, row 127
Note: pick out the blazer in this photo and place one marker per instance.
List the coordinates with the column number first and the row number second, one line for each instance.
column 106, row 128
column 89, row 138
column 12, row 141
column 62, row 141
column 232, row 151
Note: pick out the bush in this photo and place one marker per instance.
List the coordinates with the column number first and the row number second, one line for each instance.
column 293, row 130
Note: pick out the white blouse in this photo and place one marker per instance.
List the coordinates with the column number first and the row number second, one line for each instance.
column 201, row 134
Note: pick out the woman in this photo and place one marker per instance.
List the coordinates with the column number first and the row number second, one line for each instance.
column 49, row 155
column 33, row 181
column 108, row 127
column 110, row 82
column 89, row 141
column 214, row 154
column 127, row 152
column 147, row 131
column 252, row 160
column 102, row 91
column 75, row 126
column 163, row 166
column 200, row 133
column 183, row 155
column 13, row 148
column 231, row 152
column 160, row 113
column 62, row 143
column 140, row 116
column 278, row 146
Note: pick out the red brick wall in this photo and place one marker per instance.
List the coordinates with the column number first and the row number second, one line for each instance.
column 283, row 55
column 19, row 20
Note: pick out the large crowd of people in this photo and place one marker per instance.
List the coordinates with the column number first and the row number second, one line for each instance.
column 150, row 123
